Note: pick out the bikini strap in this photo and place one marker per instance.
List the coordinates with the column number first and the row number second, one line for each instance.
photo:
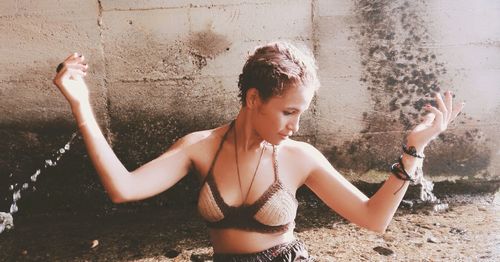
column 275, row 162
column 218, row 151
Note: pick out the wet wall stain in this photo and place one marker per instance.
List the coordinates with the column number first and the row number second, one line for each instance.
column 402, row 76
column 139, row 133
column 207, row 44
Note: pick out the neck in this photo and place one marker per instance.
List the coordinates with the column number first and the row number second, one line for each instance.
column 248, row 139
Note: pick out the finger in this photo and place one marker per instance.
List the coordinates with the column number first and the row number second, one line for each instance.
column 448, row 102
column 72, row 56
column 82, row 67
column 74, row 59
column 71, row 73
column 427, row 119
column 456, row 110
column 438, row 123
column 441, row 105
column 75, row 74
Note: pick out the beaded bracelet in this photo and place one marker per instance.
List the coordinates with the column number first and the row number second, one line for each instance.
column 398, row 169
column 412, row 151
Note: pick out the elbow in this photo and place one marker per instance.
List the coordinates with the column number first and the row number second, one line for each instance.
column 117, row 199
column 380, row 229
column 119, row 191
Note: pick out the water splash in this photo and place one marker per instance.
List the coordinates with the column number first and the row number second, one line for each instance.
column 426, row 188
column 6, row 219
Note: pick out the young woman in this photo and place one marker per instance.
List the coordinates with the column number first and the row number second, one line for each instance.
column 249, row 180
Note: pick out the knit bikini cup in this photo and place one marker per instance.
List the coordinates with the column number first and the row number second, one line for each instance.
column 274, row 211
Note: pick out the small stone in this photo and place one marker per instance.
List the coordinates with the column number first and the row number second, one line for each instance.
column 94, row 243
column 24, row 252
column 425, row 226
column 459, row 231
column 481, row 208
column 383, row 250
column 432, row 239
column 171, row 253
column 389, row 237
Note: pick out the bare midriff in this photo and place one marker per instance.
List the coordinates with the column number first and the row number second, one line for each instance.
column 235, row 241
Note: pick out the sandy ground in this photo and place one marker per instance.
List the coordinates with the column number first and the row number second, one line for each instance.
column 468, row 231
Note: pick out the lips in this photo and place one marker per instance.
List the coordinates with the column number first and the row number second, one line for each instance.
column 284, row 136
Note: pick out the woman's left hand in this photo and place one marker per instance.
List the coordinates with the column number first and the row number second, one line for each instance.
column 435, row 122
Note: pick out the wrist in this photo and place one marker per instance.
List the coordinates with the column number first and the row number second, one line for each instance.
column 419, row 147
column 411, row 150
column 80, row 106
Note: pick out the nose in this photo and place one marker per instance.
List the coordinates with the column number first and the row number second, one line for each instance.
column 293, row 124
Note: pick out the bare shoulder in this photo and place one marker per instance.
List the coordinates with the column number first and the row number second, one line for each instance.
column 201, row 138
column 302, row 150
column 302, row 158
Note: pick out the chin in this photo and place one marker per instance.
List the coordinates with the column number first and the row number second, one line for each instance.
column 277, row 141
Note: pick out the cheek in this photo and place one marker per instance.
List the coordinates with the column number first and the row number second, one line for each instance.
column 268, row 124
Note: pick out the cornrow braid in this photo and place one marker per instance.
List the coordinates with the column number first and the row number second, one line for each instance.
column 274, row 67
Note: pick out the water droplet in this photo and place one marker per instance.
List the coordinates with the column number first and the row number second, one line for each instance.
column 10, row 175
column 13, row 208
column 11, row 187
column 62, row 150
column 34, row 177
column 25, row 186
column 37, row 172
column 48, row 162
column 16, row 196
column 66, row 146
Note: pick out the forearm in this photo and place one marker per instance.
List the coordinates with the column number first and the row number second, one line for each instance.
column 384, row 203
column 111, row 171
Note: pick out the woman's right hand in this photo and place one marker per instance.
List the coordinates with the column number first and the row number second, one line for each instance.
column 69, row 80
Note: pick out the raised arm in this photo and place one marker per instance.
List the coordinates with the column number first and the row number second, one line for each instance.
column 120, row 184
column 376, row 212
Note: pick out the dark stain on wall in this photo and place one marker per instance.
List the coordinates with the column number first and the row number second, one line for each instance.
column 207, row 44
column 402, row 76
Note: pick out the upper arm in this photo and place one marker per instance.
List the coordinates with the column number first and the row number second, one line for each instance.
column 334, row 190
column 163, row 172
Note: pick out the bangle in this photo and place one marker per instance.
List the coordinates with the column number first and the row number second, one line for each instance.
column 412, row 151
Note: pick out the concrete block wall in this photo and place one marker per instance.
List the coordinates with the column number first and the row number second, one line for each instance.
column 161, row 69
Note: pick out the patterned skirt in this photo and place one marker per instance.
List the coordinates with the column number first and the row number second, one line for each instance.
column 292, row 251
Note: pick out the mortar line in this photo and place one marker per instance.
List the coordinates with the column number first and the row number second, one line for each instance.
column 117, row 9
column 315, row 47
column 107, row 120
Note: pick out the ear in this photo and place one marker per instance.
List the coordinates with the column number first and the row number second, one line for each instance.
column 253, row 98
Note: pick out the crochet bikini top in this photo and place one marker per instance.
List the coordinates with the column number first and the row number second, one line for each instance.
column 274, row 211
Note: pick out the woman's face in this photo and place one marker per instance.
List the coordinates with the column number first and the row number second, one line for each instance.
column 278, row 118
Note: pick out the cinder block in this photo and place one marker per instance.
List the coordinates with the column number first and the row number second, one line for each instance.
column 147, row 45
